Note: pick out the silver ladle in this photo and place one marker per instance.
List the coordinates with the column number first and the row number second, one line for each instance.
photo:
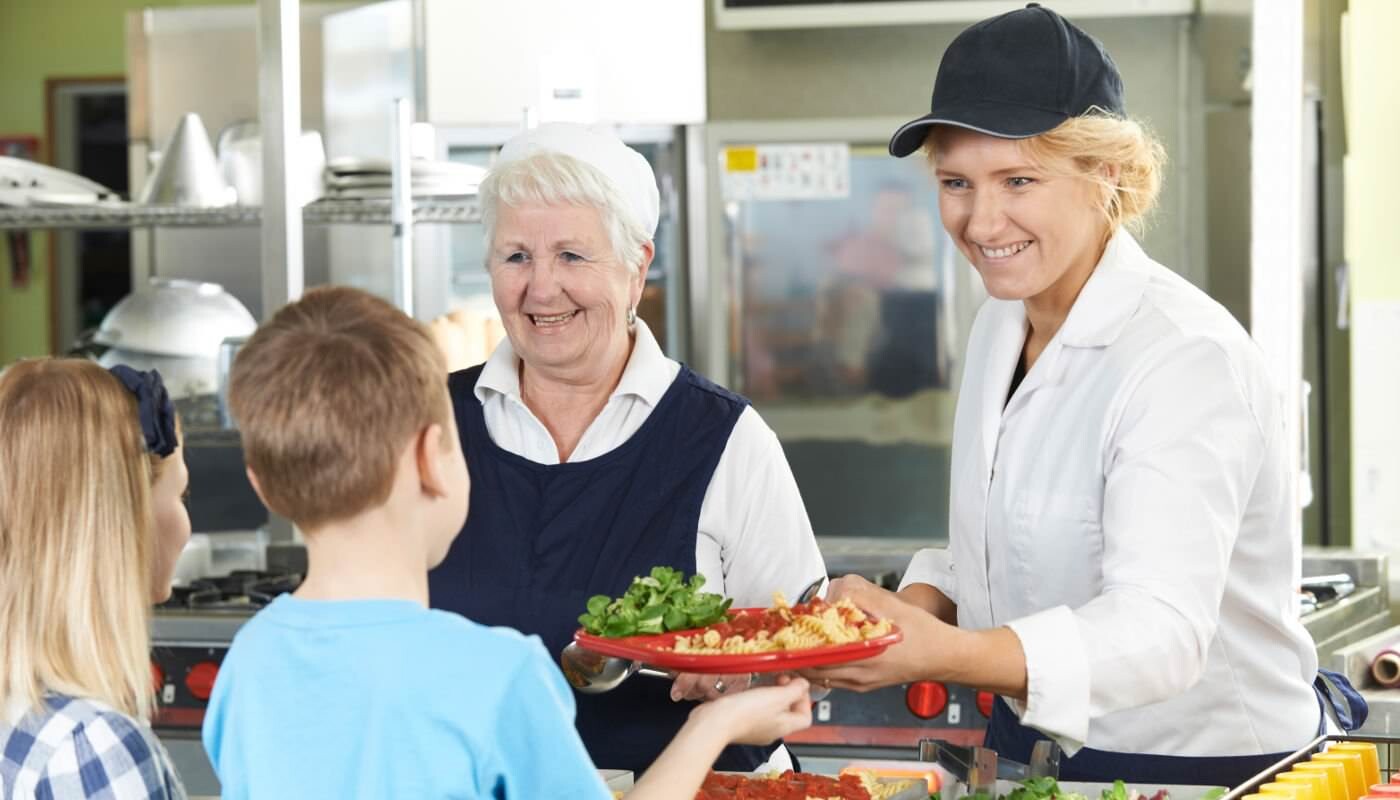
column 595, row 673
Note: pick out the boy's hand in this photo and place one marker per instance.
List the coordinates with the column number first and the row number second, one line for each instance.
column 692, row 686
column 762, row 715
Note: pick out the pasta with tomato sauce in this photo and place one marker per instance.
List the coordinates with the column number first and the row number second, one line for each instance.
column 784, row 627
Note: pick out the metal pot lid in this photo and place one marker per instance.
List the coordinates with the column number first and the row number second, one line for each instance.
column 176, row 318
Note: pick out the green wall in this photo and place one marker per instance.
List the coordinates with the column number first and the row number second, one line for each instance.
column 42, row 39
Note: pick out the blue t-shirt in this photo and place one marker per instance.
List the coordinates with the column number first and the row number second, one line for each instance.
column 385, row 698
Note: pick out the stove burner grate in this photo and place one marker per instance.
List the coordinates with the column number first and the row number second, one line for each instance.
column 239, row 590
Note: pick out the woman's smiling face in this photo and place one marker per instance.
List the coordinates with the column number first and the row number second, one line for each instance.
column 562, row 292
column 1025, row 230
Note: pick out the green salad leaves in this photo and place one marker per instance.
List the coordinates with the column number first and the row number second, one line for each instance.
column 661, row 602
column 1049, row 789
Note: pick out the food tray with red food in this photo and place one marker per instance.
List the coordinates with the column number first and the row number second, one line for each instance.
column 801, row 785
column 759, row 640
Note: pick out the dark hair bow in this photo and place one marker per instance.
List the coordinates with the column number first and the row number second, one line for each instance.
column 157, row 412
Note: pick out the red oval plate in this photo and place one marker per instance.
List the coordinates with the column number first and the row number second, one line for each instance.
column 654, row 650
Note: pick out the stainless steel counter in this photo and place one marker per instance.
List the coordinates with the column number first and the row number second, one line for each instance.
column 1384, row 718
column 1360, row 615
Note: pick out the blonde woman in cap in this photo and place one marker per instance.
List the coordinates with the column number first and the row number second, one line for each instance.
column 593, row 456
column 1120, row 569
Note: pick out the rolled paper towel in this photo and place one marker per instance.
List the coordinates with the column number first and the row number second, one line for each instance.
column 1385, row 668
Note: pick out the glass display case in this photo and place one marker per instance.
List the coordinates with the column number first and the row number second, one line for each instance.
column 844, row 309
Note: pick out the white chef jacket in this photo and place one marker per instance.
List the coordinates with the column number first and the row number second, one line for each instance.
column 754, row 535
column 1124, row 514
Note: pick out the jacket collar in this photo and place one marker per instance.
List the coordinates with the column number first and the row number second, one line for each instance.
column 1110, row 297
column 1108, row 300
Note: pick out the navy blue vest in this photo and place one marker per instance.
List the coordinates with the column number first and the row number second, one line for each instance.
column 541, row 539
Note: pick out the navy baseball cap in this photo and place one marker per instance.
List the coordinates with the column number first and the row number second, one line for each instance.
column 1017, row 75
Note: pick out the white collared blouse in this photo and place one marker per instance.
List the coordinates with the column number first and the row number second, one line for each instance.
column 1124, row 514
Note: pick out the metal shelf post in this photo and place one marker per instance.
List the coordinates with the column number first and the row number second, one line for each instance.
column 279, row 111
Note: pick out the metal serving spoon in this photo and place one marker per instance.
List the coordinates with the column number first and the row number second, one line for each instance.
column 595, row 673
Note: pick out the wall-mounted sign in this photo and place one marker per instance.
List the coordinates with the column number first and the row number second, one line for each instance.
column 786, row 171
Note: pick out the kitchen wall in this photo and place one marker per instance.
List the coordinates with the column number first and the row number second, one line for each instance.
column 42, row 39
column 1372, row 169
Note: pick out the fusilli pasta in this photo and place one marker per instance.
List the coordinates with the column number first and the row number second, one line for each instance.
column 784, row 627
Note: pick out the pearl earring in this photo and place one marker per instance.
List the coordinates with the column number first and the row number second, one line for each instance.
column 631, row 317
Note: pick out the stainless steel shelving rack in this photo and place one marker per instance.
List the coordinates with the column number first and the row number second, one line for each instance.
column 281, row 222
column 322, row 212
column 279, row 219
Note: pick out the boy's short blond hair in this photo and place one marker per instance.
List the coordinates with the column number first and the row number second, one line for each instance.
column 327, row 394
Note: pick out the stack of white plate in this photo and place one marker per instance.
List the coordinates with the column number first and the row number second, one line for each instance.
column 369, row 178
column 28, row 183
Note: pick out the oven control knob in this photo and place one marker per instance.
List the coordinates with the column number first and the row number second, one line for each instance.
column 200, row 680
column 926, row 699
column 984, row 703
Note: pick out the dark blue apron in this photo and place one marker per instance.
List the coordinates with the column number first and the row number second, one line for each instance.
column 541, row 539
column 1009, row 738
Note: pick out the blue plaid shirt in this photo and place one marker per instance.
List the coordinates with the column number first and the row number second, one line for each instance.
column 78, row 748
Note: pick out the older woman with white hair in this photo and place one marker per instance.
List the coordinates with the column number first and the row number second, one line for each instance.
column 594, row 457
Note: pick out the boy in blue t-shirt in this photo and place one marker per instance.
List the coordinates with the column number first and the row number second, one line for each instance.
column 352, row 687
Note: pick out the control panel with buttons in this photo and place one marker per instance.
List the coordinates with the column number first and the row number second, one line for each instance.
column 184, row 681
column 898, row 716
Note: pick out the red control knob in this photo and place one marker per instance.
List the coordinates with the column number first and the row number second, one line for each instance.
column 157, row 676
column 926, row 699
column 984, row 703
column 200, row 680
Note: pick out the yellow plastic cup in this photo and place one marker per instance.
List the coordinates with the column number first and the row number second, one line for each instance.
column 1294, row 790
column 1322, row 789
column 1370, row 760
column 1336, row 775
column 1355, row 772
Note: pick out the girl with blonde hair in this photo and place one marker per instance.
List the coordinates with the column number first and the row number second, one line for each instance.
column 92, row 520
column 1120, row 569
